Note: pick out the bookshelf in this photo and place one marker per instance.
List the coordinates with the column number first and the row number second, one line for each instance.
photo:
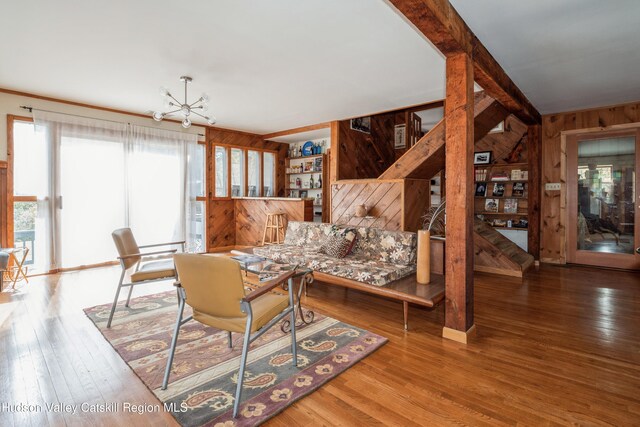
column 502, row 195
column 303, row 169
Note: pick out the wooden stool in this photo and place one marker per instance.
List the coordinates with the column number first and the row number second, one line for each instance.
column 274, row 227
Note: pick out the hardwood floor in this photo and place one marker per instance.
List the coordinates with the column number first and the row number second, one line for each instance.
column 560, row 347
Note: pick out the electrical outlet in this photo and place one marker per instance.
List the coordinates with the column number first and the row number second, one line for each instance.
column 552, row 186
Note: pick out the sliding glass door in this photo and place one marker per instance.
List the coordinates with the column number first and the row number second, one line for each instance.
column 603, row 198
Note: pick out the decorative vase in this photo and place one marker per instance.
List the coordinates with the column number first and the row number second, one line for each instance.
column 423, row 263
column 361, row 211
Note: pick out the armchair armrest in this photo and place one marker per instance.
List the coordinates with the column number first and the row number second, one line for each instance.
column 268, row 286
column 162, row 244
column 168, row 251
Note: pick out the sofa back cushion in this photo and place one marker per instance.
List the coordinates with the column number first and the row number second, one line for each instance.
column 308, row 234
column 395, row 247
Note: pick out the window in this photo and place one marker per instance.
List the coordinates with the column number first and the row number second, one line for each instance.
column 253, row 173
column 240, row 172
column 268, row 178
column 222, row 173
column 237, row 172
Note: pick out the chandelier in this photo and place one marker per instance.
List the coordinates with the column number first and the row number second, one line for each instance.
column 184, row 108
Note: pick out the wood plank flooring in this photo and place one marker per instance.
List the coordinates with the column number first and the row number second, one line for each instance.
column 560, row 347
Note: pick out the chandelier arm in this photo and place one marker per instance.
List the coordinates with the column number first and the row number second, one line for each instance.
column 171, row 112
column 198, row 114
column 172, row 97
column 199, row 100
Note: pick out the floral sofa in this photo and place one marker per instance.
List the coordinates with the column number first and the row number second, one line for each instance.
column 378, row 256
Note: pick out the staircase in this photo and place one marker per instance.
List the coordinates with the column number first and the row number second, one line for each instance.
column 494, row 253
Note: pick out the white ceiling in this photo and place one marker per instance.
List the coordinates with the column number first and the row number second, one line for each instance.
column 564, row 55
column 267, row 65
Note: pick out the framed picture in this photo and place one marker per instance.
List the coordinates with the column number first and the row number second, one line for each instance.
column 361, row 124
column 481, row 189
column 400, row 137
column 499, row 128
column 303, row 194
column 308, row 166
column 482, row 157
column 511, row 206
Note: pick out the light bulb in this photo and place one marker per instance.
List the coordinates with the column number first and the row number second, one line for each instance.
column 164, row 91
column 158, row 116
column 186, row 110
column 168, row 103
column 211, row 120
column 186, row 123
column 204, row 97
column 204, row 107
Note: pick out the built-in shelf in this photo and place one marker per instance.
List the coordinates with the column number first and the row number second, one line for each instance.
column 501, row 197
column 303, row 173
column 305, row 157
column 307, row 189
column 500, row 213
column 508, row 228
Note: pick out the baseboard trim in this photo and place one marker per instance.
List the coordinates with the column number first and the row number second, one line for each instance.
column 459, row 336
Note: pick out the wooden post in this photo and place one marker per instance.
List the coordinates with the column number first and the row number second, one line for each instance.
column 458, row 117
column 534, row 151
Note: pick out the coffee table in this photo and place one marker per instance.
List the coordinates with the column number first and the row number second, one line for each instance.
column 305, row 276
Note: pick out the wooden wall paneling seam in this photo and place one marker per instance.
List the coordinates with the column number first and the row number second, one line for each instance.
column 459, row 248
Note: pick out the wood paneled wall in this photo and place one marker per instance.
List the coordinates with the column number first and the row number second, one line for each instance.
column 368, row 155
column 393, row 204
column 221, row 222
column 4, row 203
column 553, row 210
column 251, row 216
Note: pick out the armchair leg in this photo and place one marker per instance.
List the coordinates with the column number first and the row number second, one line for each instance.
column 174, row 341
column 230, row 340
column 115, row 300
column 243, row 363
column 129, row 296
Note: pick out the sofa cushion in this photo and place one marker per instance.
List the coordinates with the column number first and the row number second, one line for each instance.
column 395, row 247
column 354, row 267
column 310, row 234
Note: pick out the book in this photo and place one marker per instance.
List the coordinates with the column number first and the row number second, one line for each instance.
column 511, row 206
column 491, row 205
column 516, row 174
column 481, row 189
column 500, row 176
column 518, row 189
column 498, row 190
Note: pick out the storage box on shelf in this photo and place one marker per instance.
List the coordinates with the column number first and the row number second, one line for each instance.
column 307, row 177
column 501, row 199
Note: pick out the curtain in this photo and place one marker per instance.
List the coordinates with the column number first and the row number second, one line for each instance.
column 161, row 185
column 83, row 198
column 106, row 175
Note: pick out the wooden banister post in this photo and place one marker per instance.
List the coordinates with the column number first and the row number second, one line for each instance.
column 459, row 321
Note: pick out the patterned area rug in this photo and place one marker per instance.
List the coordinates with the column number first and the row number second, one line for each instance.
column 202, row 384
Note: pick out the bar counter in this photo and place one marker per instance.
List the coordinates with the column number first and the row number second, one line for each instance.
column 251, row 215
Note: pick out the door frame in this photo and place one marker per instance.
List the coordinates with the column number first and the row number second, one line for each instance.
column 574, row 255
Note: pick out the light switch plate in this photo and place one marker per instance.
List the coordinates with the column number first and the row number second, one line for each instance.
column 552, row 186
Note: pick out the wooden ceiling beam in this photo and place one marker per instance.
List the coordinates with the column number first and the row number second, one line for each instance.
column 439, row 22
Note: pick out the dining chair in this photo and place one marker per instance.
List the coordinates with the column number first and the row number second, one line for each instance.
column 213, row 287
column 142, row 268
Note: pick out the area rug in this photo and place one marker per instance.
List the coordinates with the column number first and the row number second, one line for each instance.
column 204, row 376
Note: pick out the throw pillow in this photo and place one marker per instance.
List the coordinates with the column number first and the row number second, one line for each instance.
column 335, row 246
column 348, row 233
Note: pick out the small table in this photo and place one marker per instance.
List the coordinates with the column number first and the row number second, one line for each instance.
column 306, row 277
column 18, row 271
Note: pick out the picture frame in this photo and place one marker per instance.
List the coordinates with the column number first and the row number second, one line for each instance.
column 498, row 190
column 400, row 137
column 361, row 124
column 303, row 194
column 482, row 157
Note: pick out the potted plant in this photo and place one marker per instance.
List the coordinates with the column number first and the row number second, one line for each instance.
column 433, row 222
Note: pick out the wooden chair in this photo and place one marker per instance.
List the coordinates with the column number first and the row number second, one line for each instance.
column 143, row 271
column 274, row 228
column 214, row 289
